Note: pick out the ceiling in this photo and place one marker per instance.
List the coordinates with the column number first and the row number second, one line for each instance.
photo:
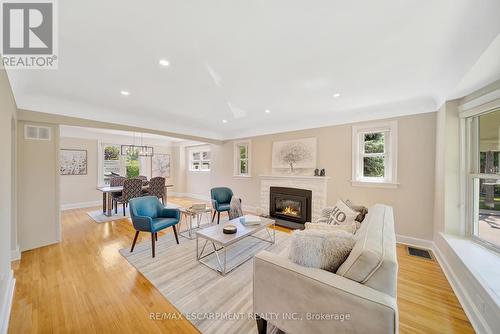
column 232, row 60
column 121, row 136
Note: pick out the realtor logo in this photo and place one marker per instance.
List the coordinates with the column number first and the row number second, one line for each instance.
column 28, row 34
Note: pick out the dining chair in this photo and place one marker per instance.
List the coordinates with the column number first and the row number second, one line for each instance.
column 157, row 188
column 144, row 179
column 221, row 199
column 116, row 181
column 131, row 188
column 149, row 215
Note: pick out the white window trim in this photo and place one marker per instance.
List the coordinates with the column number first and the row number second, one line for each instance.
column 469, row 145
column 391, row 153
column 200, row 149
column 236, row 158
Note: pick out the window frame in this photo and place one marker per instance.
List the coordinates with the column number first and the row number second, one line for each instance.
column 237, row 159
column 470, row 171
column 201, row 160
column 390, row 154
column 101, row 145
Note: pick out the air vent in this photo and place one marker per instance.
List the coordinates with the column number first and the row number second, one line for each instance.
column 419, row 253
column 34, row 132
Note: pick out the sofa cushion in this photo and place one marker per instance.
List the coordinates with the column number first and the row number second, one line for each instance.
column 320, row 248
column 372, row 260
column 330, row 227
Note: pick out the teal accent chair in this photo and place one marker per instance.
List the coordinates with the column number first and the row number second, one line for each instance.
column 149, row 215
column 221, row 200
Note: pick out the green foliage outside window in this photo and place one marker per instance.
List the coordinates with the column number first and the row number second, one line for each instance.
column 132, row 164
column 111, row 153
column 373, row 166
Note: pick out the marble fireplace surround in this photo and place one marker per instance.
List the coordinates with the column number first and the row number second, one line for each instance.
column 317, row 184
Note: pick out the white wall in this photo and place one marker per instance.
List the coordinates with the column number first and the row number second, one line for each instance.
column 38, row 189
column 413, row 199
column 80, row 190
column 7, row 216
column 447, row 178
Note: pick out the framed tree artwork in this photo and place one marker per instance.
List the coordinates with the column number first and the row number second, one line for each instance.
column 294, row 154
column 160, row 165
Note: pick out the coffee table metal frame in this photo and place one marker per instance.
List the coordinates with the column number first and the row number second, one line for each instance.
column 222, row 263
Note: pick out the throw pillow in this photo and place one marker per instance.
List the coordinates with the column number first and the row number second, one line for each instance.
column 330, row 227
column 340, row 214
column 321, row 249
column 362, row 210
column 235, row 208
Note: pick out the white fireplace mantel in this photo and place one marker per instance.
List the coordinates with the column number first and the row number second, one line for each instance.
column 317, row 184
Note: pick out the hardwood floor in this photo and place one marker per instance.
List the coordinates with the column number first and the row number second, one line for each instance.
column 84, row 285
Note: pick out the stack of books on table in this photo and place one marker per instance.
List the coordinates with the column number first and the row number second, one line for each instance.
column 250, row 220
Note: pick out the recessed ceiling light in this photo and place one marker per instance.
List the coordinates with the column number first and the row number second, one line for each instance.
column 125, row 93
column 164, row 62
column 224, row 121
column 336, row 95
column 267, row 111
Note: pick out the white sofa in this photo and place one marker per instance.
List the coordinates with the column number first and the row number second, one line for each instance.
column 295, row 298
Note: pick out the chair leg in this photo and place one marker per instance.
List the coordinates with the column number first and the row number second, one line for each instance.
column 124, row 209
column 261, row 325
column 156, row 236
column 175, row 233
column 153, row 243
column 213, row 217
column 116, row 207
column 135, row 240
column 218, row 217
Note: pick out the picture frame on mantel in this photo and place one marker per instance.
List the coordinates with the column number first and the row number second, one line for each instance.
column 295, row 154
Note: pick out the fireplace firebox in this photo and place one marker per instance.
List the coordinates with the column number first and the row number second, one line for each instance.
column 290, row 207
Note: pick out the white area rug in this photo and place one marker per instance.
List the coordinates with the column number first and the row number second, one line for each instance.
column 194, row 288
column 99, row 217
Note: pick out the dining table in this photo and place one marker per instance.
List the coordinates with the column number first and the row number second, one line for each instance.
column 107, row 198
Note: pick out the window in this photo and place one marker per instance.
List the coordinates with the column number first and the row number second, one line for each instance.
column 242, row 158
column 112, row 163
column 374, row 154
column 199, row 159
column 132, row 164
column 483, row 186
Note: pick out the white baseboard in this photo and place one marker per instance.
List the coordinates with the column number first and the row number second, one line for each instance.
column 410, row 241
column 6, row 305
column 80, row 205
column 15, row 254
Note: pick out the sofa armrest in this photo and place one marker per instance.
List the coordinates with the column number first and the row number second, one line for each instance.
column 284, row 292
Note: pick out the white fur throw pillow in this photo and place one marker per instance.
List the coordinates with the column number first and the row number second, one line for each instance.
column 330, row 227
column 322, row 249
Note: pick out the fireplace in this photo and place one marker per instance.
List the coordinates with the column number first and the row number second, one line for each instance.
column 290, row 207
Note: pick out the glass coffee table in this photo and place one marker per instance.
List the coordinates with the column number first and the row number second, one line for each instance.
column 214, row 238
